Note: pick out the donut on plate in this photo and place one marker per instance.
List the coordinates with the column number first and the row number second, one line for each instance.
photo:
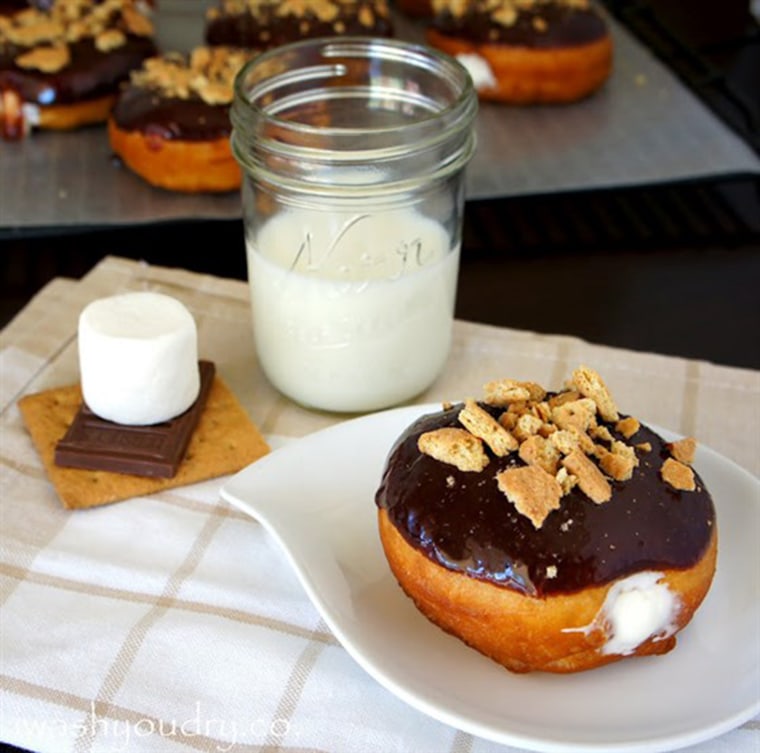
column 262, row 24
column 62, row 61
column 547, row 530
column 171, row 125
column 526, row 51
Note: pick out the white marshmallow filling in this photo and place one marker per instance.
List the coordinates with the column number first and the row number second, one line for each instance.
column 480, row 71
column 635, row 609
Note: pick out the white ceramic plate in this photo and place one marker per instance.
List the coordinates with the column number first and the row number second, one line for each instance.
column 316, row 497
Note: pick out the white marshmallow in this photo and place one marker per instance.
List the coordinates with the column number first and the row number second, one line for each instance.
column 480, row 71
column 138, row 358
column 635, row 609
column 639, row 608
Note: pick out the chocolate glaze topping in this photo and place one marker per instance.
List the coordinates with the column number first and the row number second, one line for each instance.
column 462, row 521
column 91, row 74
column 149, row 111
column 9, row 7
column 541, row 26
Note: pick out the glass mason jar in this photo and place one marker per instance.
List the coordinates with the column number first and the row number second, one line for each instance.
column 353, row 153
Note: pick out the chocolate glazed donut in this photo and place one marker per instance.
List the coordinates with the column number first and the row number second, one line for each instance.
column 533, row 587
column 530, row 52
column 62, row 71
column 171, row 124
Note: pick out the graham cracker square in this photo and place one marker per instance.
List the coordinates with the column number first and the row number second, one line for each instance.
column 224, row 441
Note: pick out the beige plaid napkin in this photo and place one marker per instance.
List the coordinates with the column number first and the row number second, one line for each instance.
column 172, row 622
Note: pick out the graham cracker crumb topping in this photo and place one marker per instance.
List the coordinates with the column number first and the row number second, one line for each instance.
column 45, row 58
column 591, row 385
column 532, row 491
column 683, row 450
column 481, row 424
column 564, row 439
column 504, row 392
column 454, row 446
column 208, row 73
column 590, row 479
column 678, row 475
column 628, row 426
column 538, row 451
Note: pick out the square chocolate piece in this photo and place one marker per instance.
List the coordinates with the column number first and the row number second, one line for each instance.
column 156, row 451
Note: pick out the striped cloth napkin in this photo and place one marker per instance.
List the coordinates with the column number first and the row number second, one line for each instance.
column 173, row 622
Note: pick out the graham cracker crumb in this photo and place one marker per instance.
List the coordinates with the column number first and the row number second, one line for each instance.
column 624, row 450
column 678, row 475
column 566, row 480
column 47, row 59
column 563, row 397
column 628, row 426
column 601, row 432
column 683, row 450
column 619, row 467
column 532, row 491
column 591, row 385
column 137, row 23
column 541, row 452
column 110, row 39
column 454, row 446
column 508, row 420
column 565, row 441
column 591, row 481
column 577, row 414
column 484, row 426
column 502, row 392
column 526, row 426
column 543, row 410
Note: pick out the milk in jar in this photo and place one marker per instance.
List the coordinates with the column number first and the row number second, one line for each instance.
column 352, row 311
column 352, row 152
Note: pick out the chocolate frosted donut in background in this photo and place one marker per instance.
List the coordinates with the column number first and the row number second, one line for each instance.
column 61, row 63
column 526, row 51
column 171, row 123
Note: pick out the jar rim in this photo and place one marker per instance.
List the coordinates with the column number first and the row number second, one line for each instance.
column 448, row 67
column 295, row 120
